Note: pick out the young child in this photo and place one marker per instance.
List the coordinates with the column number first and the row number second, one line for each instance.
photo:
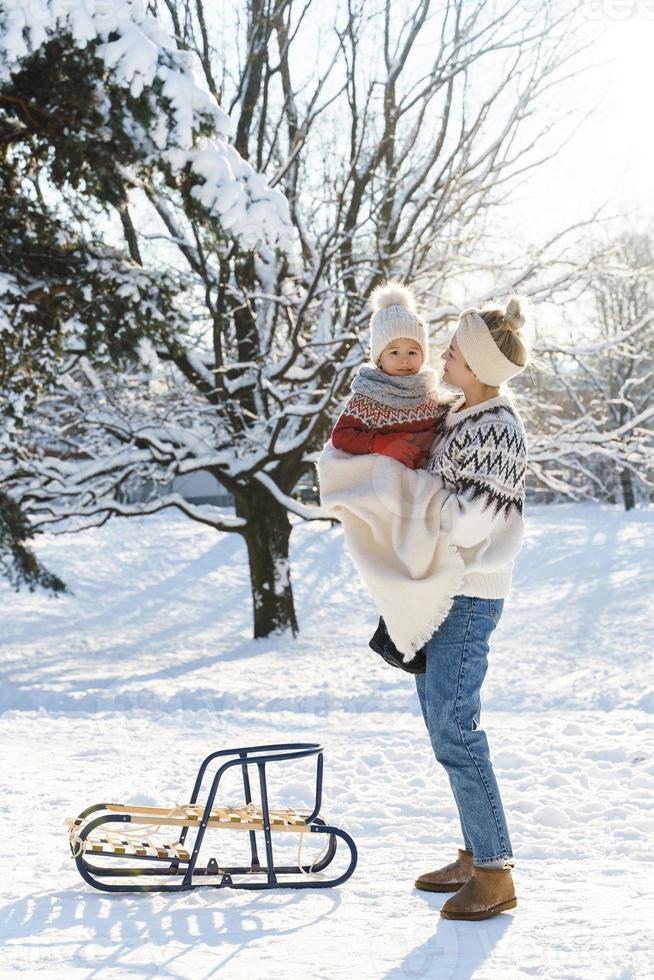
column 394, row 408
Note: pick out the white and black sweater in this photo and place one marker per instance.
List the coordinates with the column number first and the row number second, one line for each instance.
column 480, row 454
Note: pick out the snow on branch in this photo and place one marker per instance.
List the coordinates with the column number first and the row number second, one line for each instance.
column 293, row 505
column 205, row 514
column 186, row 130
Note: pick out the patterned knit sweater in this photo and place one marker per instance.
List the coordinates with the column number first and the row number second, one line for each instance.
column 480, row 454
column 363, row 418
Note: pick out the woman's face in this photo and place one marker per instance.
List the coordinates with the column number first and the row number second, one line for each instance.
column 455, row 371
column 402, row 356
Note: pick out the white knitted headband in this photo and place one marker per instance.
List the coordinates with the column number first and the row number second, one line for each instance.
column 480, row 351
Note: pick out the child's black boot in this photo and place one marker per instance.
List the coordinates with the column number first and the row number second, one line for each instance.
column 382, row 644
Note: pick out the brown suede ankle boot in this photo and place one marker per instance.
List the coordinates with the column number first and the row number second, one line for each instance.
column 450, row 878
column 489, row 891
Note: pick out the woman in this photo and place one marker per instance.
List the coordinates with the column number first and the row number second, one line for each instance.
column 435, row 549
column 480, row 456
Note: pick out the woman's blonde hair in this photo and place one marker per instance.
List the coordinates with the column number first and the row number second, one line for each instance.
column 505, row 326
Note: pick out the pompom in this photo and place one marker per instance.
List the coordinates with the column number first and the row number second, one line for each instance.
column 514, row 315
column 391, row 293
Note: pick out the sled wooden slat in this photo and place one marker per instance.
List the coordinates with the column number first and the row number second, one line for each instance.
column 155, row 811
column 149, row 848
column 296, row 825
column 220, row 816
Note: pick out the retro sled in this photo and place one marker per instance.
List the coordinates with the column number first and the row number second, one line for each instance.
column 131, row 849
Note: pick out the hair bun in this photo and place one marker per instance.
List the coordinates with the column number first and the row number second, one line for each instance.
column 391, row 293
column 513, row 315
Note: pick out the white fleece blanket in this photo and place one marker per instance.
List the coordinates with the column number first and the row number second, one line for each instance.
column 391, row 521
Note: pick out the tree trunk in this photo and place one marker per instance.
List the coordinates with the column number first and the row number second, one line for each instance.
column 627, row 490
column 267, row 537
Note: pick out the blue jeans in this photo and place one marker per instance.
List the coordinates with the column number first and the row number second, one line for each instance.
column 457, row 660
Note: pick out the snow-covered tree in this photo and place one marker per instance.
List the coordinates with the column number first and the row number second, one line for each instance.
column 592, row 412
column 394, row 134
column 623, row 368
column 92, row 103
column 55, row 288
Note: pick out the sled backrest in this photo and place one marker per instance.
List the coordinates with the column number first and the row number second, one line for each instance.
column 261, row 755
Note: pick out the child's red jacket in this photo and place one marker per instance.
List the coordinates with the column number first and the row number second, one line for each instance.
column 367, row 426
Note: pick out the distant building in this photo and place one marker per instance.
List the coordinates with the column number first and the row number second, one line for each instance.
column 202, row 487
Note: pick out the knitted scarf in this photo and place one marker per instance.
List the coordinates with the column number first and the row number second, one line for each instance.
column 396, row 391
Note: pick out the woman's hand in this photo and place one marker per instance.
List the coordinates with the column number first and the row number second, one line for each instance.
column 423, row 439
column 407, row 449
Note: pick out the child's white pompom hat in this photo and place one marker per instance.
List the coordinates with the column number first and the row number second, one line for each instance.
column 394, row 316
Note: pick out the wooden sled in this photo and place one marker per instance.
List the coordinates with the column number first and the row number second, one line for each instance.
column 154, row 841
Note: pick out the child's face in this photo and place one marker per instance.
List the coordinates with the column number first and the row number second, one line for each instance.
column 402, row 356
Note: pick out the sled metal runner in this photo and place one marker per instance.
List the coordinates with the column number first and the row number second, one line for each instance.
column 117, row 834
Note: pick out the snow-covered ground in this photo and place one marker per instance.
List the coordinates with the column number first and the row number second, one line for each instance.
column 118, row 691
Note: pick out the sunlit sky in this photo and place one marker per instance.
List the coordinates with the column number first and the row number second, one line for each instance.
column 611, row 158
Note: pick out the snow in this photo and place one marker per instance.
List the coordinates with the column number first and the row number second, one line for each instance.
column 141, row 54
column 121, row 688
